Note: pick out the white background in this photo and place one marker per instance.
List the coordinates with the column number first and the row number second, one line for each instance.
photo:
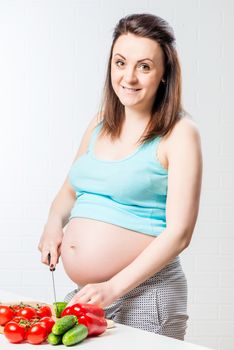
column 53, row 56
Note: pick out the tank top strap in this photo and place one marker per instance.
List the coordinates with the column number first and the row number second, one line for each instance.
column 154, row 143
column 94, row 135
column 150, row 148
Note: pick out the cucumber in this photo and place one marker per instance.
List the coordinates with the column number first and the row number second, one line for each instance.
column 75, row 335
column 58, row 307
column 63, row 324
column 54, row 339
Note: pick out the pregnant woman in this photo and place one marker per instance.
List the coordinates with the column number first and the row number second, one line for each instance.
column 130, row 201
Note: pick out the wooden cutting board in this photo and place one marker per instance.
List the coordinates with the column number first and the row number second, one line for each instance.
column 110, row 323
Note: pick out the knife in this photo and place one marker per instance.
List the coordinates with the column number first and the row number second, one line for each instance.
column 52, row 271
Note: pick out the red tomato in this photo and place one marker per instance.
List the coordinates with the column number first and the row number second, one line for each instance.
column 6, row 314
column 48, row 322
column 36, row 334
column 27, row 312
column 44, row 311
column 17, row 319
column 16, row 307
column 14, row 332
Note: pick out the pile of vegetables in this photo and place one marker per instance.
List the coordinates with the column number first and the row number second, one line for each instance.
column 35, row 324
column 24, row 322
column 67, row 331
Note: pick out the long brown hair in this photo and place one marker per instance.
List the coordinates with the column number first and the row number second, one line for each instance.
column 167, row 108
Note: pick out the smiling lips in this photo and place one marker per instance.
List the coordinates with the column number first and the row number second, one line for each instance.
column 130, row 89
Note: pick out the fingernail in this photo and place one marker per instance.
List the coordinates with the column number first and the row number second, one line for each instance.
column 52, row 268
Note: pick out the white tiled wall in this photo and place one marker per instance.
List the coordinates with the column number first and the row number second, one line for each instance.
column 52, row 63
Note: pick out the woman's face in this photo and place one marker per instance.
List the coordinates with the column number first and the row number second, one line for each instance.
column 138, row 64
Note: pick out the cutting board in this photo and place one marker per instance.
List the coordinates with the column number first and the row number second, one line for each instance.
column 110, row 323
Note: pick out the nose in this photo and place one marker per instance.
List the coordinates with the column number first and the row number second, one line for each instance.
column 130, row 75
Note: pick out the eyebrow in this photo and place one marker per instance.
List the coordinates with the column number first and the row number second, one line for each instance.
column 143, row 59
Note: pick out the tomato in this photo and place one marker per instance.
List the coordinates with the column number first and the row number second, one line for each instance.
column 14, row 332
column 17, row 319
column 6, row 314
column 44, row 311
column 48, row 322
column 27, row 312
column 36, row 334
column 16, row 307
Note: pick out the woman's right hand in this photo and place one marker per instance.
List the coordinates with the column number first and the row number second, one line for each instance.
column 50, row 242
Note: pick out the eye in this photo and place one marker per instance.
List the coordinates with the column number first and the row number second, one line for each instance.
column 120, row 63
column 117, row 63
column 146, row 66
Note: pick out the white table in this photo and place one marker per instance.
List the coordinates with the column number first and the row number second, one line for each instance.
column 117, row 338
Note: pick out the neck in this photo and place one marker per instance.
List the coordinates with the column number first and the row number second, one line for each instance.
column 136, row 116
column 134, row 125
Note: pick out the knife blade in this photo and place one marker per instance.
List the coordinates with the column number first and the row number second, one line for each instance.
column 54, row 291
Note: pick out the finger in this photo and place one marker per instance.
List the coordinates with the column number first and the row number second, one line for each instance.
column 58, row 253
column 53, row 256
column 59, row 249
column 75, row 300
column 79, row 298
column 94, row 300
column 44, row 256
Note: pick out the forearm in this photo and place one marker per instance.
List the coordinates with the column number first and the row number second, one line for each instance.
column 59, row 212
column 55, row 218
column 153, row 258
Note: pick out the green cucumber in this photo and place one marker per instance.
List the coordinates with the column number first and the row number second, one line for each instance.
column 63, row 324
column 54, row 339
column 75, row 335
column 59, row 306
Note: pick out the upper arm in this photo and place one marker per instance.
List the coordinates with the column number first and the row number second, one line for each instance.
column 184, row 179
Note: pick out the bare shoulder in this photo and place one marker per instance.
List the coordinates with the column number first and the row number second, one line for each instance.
column 185, row 127
column 184, row 145
column 98, row 117
column 185, row 132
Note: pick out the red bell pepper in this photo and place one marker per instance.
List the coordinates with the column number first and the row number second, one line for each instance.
column 96, row 325
column 81, row 309
column 93, row 309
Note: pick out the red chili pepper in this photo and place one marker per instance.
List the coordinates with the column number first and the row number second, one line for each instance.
column 96, row 325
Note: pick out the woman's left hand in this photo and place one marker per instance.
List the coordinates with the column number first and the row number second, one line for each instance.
column 101, row 294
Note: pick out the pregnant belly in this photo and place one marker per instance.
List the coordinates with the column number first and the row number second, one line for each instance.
column 93, row 251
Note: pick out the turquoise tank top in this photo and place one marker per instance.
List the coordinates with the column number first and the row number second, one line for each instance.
column 130, row 192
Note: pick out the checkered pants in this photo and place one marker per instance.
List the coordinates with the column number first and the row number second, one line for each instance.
column 157, row 305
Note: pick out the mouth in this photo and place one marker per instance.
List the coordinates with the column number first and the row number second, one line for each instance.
column 130, row 89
